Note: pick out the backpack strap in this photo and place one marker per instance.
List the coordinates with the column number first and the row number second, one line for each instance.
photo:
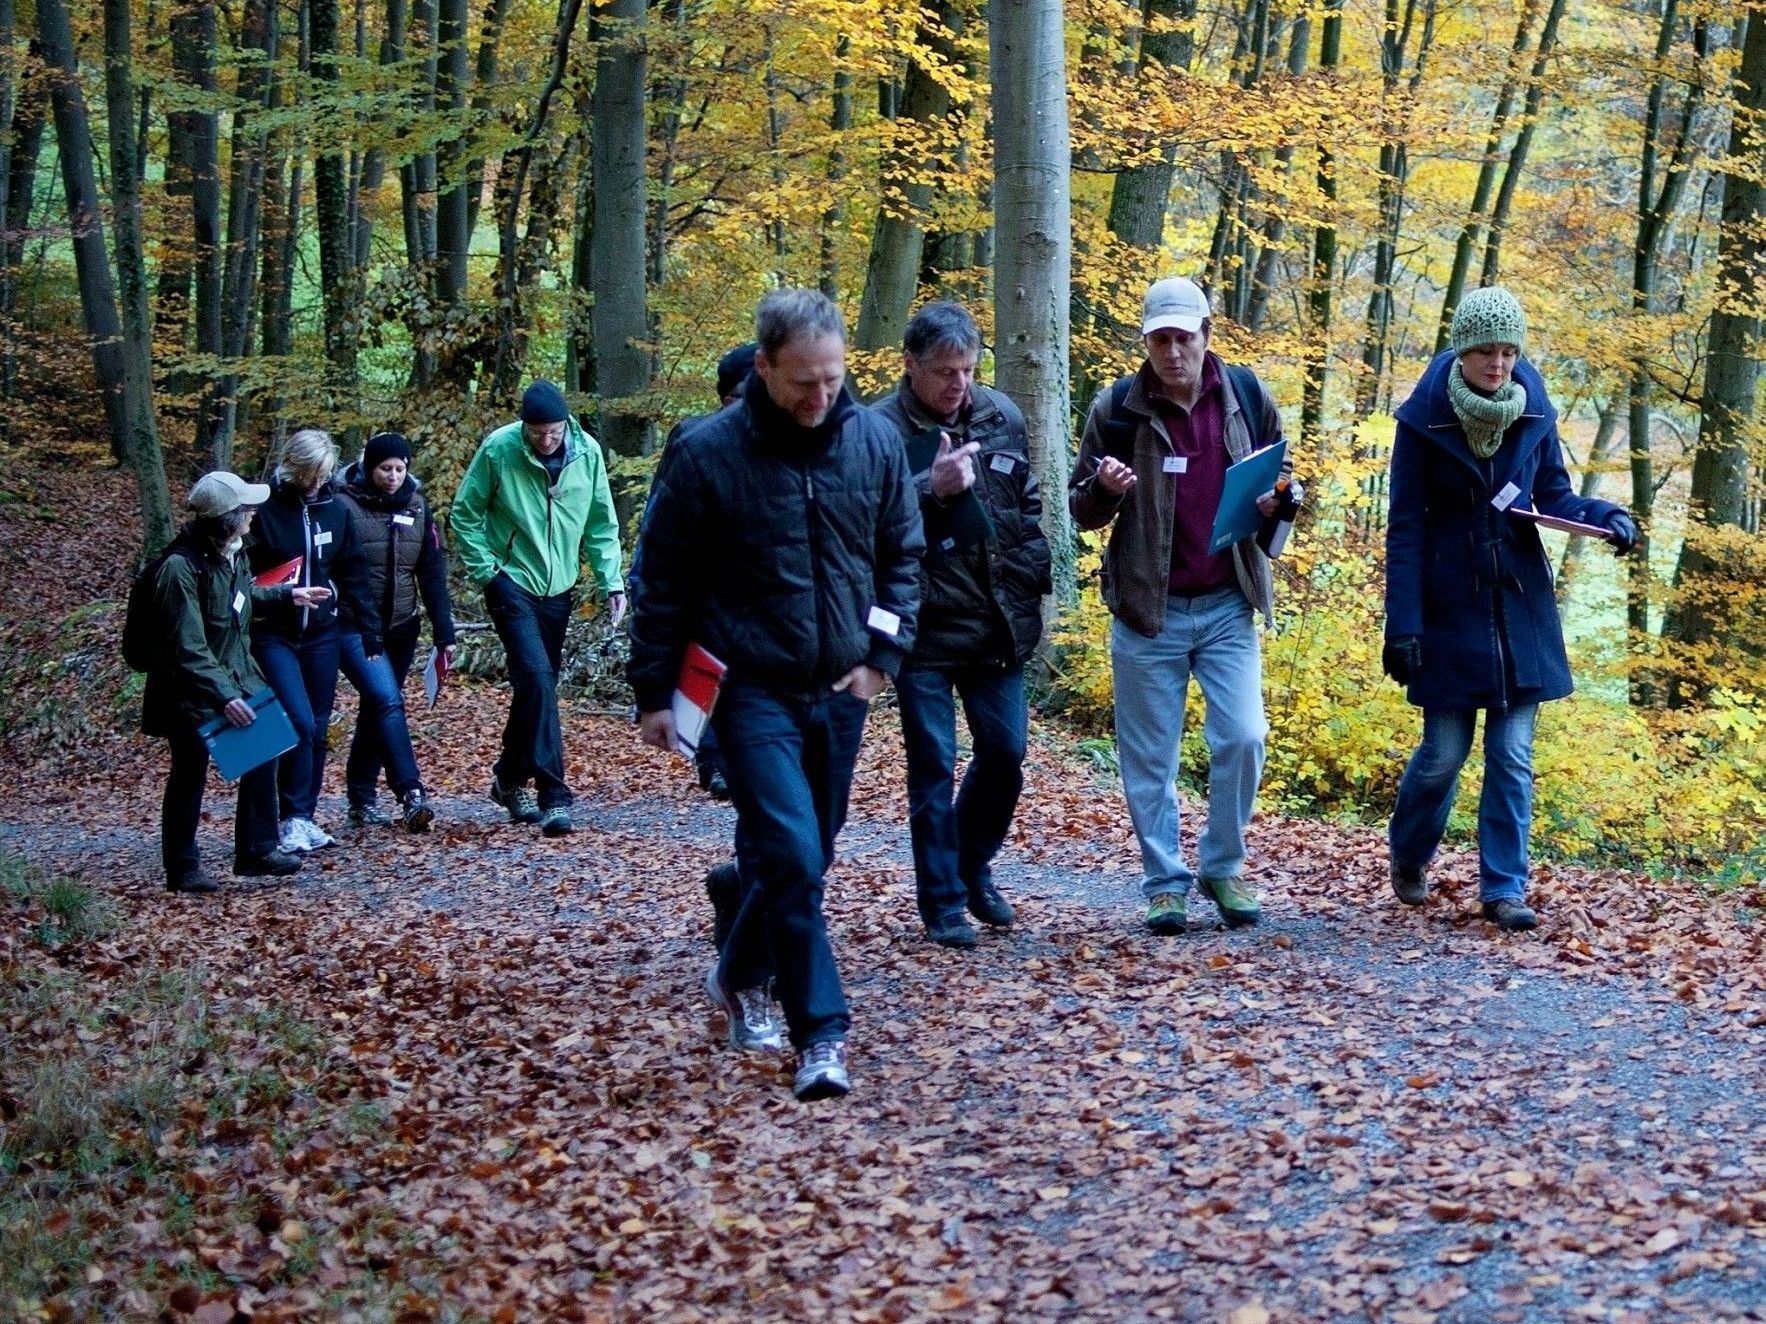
column 1119, row 424
column 1245, row 388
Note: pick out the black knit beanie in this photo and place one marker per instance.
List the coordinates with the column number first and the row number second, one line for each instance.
column 543, row 402
column 384, row 446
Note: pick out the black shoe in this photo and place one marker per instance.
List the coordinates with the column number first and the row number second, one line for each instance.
column 194, row 881
column 367, row 816
column 271, row 864
column 987, row 905
column 952, row 931
column 713, row 783
column 1510, row 916
column 418, row 814
column 723, row 887
column 1409, row 884
column 555, row 822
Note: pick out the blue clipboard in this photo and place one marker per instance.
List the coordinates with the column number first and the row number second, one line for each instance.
column 1238, row 517
column 236, row 750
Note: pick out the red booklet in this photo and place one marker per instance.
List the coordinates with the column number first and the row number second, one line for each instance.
column 275, row 577
column 702, row 676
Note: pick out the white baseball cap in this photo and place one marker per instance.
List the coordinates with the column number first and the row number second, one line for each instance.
column 221, row 493
column 1176, row 302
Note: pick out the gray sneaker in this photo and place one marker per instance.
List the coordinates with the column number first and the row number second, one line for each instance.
column 367, row 816
column 750, row 1014
column 821, row 1071
column 518, row 800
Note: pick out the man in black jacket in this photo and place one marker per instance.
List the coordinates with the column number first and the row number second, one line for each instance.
column 785, row 539
column 981, row 589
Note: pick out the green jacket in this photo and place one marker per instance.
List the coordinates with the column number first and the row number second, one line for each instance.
column 206, row 660
column 508, row 517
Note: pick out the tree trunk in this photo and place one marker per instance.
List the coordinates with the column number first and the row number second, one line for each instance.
column 1472, row 231
column 142, row 445
column 337, row 267
column 1659, row 192
column 245, row 200
column 490, row 37
column 621, row 319
column 1719, row 495
column 1140, row 194
column 126, row 402
column 1033, row 255
column 8, row 114
column 453, row 217
column 1600, row 454
column 1324, row 249
column 511, row 333
column 840, row 123
column 1517, row 157
column 899, row 236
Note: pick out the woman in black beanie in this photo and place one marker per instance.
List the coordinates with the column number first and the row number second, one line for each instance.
column 406, row 562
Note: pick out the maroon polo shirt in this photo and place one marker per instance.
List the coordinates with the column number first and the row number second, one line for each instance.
column 1198, row 440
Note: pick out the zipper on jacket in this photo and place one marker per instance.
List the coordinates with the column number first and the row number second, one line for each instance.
column 812, row 521
column 306, row 525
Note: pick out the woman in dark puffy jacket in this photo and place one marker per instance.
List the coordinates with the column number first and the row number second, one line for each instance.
column 1471, row 618
column 301, row 650
column 405, row 564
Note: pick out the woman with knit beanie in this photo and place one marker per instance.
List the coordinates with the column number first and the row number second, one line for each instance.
column 406, row 567
column 1471, row 618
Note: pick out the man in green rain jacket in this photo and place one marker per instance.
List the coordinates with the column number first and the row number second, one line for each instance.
column 535, row 505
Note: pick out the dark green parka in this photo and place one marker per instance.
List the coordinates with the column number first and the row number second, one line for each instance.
column 204, row 622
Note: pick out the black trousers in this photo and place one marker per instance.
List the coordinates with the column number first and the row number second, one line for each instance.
column 254, row 827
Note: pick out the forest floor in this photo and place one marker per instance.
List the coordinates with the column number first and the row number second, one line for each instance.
column 473, row 1075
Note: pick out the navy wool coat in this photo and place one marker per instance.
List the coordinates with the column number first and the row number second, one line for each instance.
column 1470, row 579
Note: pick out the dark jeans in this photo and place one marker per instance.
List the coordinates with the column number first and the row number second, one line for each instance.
column 303, row 672
column 954, row 843
column 381, row 733
column 254, row 826
column 532, row 631
column 789, row 763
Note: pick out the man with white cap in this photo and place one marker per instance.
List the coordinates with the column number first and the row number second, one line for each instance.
column 1153, row 459
column 193, row 635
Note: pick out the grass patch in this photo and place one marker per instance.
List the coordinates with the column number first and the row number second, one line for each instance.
column 63, row 910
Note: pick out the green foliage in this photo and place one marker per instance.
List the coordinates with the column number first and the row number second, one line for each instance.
column 61, row 910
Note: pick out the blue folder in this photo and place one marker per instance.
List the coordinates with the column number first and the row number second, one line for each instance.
column 1238, row 517
column 236, row 750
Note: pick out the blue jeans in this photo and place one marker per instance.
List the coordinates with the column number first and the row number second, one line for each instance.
column 381, row 732
column 954, row 843
column 303, row 672
column 1505, row 809
column 532, row 631
column 1214, row 638
column 789, row 764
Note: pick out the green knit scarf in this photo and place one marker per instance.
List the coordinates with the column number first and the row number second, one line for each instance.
column 1484, row 417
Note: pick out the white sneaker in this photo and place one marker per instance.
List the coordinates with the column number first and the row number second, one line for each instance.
column 291, row 839
column 317, row 837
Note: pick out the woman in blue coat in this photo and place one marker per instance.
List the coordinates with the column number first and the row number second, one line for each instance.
column 1471, row 617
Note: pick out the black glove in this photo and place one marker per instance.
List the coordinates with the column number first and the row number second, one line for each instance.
column 1624, row 531
column 1402, row 657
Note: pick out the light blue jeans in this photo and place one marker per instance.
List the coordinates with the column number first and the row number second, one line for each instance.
column 1213, row 638
column 1505, row 809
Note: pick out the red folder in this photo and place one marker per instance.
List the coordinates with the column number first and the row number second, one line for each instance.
column 702, row 676
column 275, row 577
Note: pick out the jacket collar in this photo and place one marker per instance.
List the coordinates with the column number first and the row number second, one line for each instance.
column 1430, row 412
column 1141, row 392
column 978, row 408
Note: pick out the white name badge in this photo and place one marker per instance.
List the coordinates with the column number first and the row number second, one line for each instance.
column 947, row 544
column 404, row 519
column 1177, row 464
column 1505, row 498
column 321, row 538
column 883, row 622
column 238, row 603
column 1002, row 464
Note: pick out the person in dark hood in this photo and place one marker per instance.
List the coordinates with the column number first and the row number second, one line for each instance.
column 407, row 570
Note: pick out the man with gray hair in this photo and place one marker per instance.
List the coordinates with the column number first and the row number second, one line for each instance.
column 981, row 590
column 785, row 539
column 1153, row 460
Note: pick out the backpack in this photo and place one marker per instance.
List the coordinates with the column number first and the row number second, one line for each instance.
column 143, row 634
column 1120, row 425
